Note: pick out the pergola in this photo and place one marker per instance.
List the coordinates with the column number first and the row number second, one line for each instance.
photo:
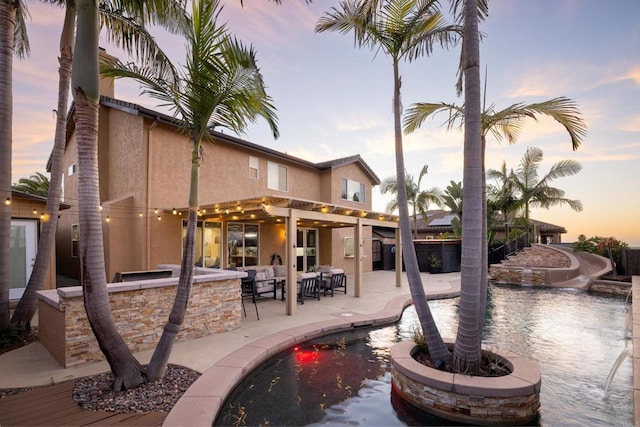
column 305, row 213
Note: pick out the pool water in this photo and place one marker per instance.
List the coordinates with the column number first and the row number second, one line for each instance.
column 344, row 379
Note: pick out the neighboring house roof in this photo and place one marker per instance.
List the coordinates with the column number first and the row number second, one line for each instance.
column 440, row 220
column 135, row 109
column 16, row 194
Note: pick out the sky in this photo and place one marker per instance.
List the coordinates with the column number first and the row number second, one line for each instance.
column 335, row 100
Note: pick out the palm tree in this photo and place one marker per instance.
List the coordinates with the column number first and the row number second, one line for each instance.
column 125, row 368
column 417, row 198
column 535, row 190
column 220, row 86
column 505, row 123
column 127, row 31
column 502, row 196
column 13, row 40
column 403, row 30
column 37, row 184
column 452, row 199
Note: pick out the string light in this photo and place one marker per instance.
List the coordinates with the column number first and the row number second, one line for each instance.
column 35, row 211
column 175, row 212
column 8, row 201
column 108, row 219
column 140, row 214
column 159, row 218
column 155, row 211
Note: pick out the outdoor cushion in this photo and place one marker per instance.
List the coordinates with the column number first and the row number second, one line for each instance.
column 269, row 272
column 279, row 270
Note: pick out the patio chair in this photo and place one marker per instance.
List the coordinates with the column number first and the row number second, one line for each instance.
column 308, row 287
column 248, row 290
column 337, row 280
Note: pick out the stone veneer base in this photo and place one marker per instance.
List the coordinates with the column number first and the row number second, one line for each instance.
column 512, row 399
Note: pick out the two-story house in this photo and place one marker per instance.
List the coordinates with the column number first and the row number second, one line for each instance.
column 257, row 205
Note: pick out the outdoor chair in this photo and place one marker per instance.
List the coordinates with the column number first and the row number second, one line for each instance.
column 308, row 287
column 336, row 281
column 248, row 286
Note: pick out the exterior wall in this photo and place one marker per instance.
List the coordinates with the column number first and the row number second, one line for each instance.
column 145, row 165
column 68, row 265
column 140, row 312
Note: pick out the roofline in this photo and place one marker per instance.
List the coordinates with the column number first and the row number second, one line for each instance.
column 136, row 109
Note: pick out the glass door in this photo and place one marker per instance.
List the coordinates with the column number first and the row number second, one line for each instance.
column 207, row 245
column 243, row 244
column 23, row 245
column 306, row 249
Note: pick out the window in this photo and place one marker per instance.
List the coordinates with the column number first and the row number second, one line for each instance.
column 74, row 240
column 352, row 190
column 253, row 167
column 243, row 244
column 72, row 169
column 208, row 246
column 349, row 249
column 277, row 179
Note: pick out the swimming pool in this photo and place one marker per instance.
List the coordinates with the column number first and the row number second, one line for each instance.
column 344, row 379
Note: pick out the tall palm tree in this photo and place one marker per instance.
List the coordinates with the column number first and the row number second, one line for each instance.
column 37, row 184
column 404, row 30
column 503, row 124
column 221, row 86
column 417, row 198
column 535, row 190
column 13, row 41
column 125, row 368
column 125, row 28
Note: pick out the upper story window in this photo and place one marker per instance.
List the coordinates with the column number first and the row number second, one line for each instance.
column 352, row 190
column 277, row 177
column 72, row 169
column 253, row 167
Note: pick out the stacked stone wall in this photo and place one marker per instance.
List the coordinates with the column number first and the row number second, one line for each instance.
column 140, row 315
column 529, row 266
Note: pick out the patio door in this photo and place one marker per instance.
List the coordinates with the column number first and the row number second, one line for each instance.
column 208, row 246
column 306, row 248
column 23, row 245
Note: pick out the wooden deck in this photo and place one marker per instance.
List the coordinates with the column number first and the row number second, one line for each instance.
column 54, row 406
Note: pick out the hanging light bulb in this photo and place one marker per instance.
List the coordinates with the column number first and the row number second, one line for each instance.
column 8, row 201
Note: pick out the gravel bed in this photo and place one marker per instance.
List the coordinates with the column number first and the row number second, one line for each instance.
column 95, row 392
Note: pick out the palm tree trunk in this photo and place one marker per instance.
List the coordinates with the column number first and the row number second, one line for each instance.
column 7, row 25
column 467, row 350
column 158, row 364
column 437, row 349
column 26, row 308
column 127, row 371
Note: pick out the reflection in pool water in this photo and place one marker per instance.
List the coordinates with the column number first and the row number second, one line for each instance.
column 344, row 379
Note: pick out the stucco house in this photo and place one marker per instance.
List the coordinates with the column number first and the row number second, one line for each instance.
column 257, row 205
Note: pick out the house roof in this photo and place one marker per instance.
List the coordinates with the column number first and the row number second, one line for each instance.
column 440, row 220
column 16, row 194
column 135, row 109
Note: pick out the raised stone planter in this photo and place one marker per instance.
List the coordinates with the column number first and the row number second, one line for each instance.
column 512, row 399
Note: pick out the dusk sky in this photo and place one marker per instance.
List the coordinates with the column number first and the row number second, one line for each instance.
column 334, row 100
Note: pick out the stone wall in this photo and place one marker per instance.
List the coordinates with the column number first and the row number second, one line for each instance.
column 532, row 266
column 140, row 309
